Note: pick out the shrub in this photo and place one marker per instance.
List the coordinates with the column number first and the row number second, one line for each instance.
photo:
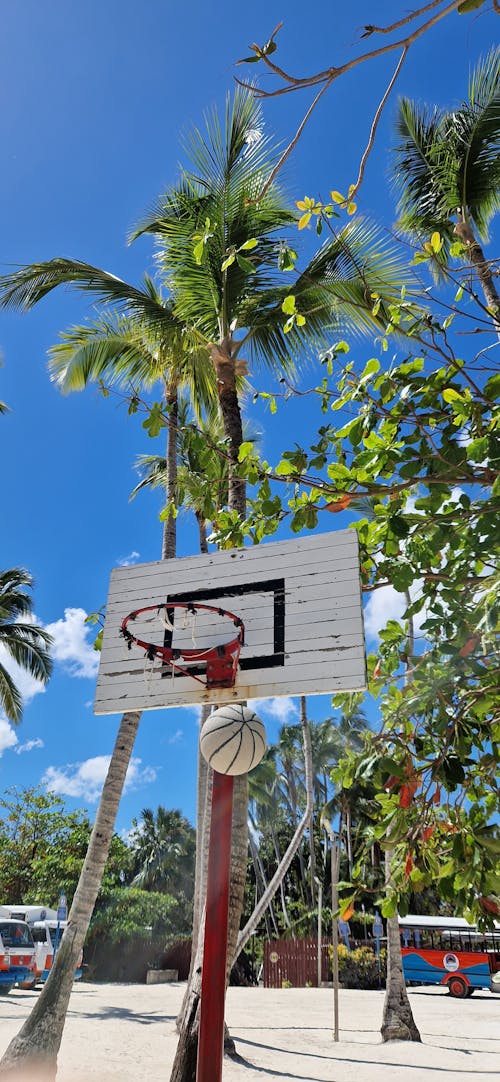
column 358, row 968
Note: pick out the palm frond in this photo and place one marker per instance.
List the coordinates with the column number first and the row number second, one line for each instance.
column 10, row 697
column 25, row 287
column 448, row 163
column 477, row 133
column 112, row 348
column 424, row 188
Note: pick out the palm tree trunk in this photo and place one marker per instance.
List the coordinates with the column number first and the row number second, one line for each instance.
column 170, row 527
column 481, row 266
column 38, row 1041
column 271, row 926
column 202, row 532
column 283, row 867
column 312, row 859
column 203, row 802
column 224, row 365
column 284, row 909
column 398, row 1023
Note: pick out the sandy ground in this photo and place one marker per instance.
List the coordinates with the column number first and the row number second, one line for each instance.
column 285, row 1034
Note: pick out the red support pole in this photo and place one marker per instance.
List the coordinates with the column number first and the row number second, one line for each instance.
column 213, row 977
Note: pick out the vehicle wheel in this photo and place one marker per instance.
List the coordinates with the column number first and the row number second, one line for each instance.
column 5, row 989
column 458, row 988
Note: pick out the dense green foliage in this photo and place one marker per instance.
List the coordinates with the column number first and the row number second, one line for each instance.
column 42, row 849
column 131, row 913
column 163, row 853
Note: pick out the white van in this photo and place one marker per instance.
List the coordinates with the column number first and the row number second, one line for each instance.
column 17, row 954
column 47, row 932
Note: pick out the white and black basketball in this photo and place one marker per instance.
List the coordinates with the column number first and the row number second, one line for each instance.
column 233, row 739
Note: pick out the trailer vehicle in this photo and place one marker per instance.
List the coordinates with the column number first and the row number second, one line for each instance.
column 450, row 952
column 17, row 955
column 47, row 932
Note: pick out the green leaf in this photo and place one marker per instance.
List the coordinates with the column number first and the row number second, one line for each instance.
column 371, row 366
column 389, row 907
column 248, row 245
column 245, row 450
column 285, row 468
column 469, row 5
column 288, row 306
column 450, row 395
column 228, row 261
column 246, row 265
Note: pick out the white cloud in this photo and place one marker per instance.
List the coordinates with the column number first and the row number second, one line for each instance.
column 387, row 604
column 176, row 737
column 8, row 738
column 71, row 644
column 383, row 605
column 285, row 710
column 87, row 779
column 126, row 561
column 29, row 745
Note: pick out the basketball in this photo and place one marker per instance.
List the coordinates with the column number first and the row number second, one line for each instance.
column 233, row 739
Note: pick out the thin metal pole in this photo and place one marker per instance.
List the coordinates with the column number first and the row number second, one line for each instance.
column 213, row 977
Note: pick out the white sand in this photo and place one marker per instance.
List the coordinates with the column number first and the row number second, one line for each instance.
column 285, row 1034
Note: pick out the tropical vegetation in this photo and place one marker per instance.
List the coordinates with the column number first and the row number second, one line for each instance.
column 22, row 641
column 405, row 451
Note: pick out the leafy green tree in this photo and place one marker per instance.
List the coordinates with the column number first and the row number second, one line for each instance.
column 42, row 848
column 129, row 912
column 419, row 436
column 447, row 167
column 27, row 644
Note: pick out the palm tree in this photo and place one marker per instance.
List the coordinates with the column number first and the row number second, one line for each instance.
column 24, row 642
column 447, row 167
column 219, row 249
column 202, row 468
column 143, row 343
column 163, row 847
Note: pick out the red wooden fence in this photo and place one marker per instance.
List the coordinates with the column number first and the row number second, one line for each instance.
column 296, row 961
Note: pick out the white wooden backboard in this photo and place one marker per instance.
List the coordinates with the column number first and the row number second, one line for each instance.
column 300, row 601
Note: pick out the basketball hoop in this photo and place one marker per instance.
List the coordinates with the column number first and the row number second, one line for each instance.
column 221, row 661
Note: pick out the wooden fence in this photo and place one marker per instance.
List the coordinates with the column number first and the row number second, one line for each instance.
column 295, row 961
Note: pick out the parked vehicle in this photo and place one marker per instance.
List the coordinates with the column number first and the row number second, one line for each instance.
column 450, row 952
column 17, row 955
column 47, row 932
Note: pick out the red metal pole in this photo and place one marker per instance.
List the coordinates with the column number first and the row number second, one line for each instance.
column 213, row 977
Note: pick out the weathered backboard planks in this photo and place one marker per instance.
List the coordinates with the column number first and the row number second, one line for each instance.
column 300, row 601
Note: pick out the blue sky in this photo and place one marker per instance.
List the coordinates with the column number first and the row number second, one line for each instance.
column 95, row 98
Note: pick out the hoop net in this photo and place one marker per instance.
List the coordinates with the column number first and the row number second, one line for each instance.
column 221, row 660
